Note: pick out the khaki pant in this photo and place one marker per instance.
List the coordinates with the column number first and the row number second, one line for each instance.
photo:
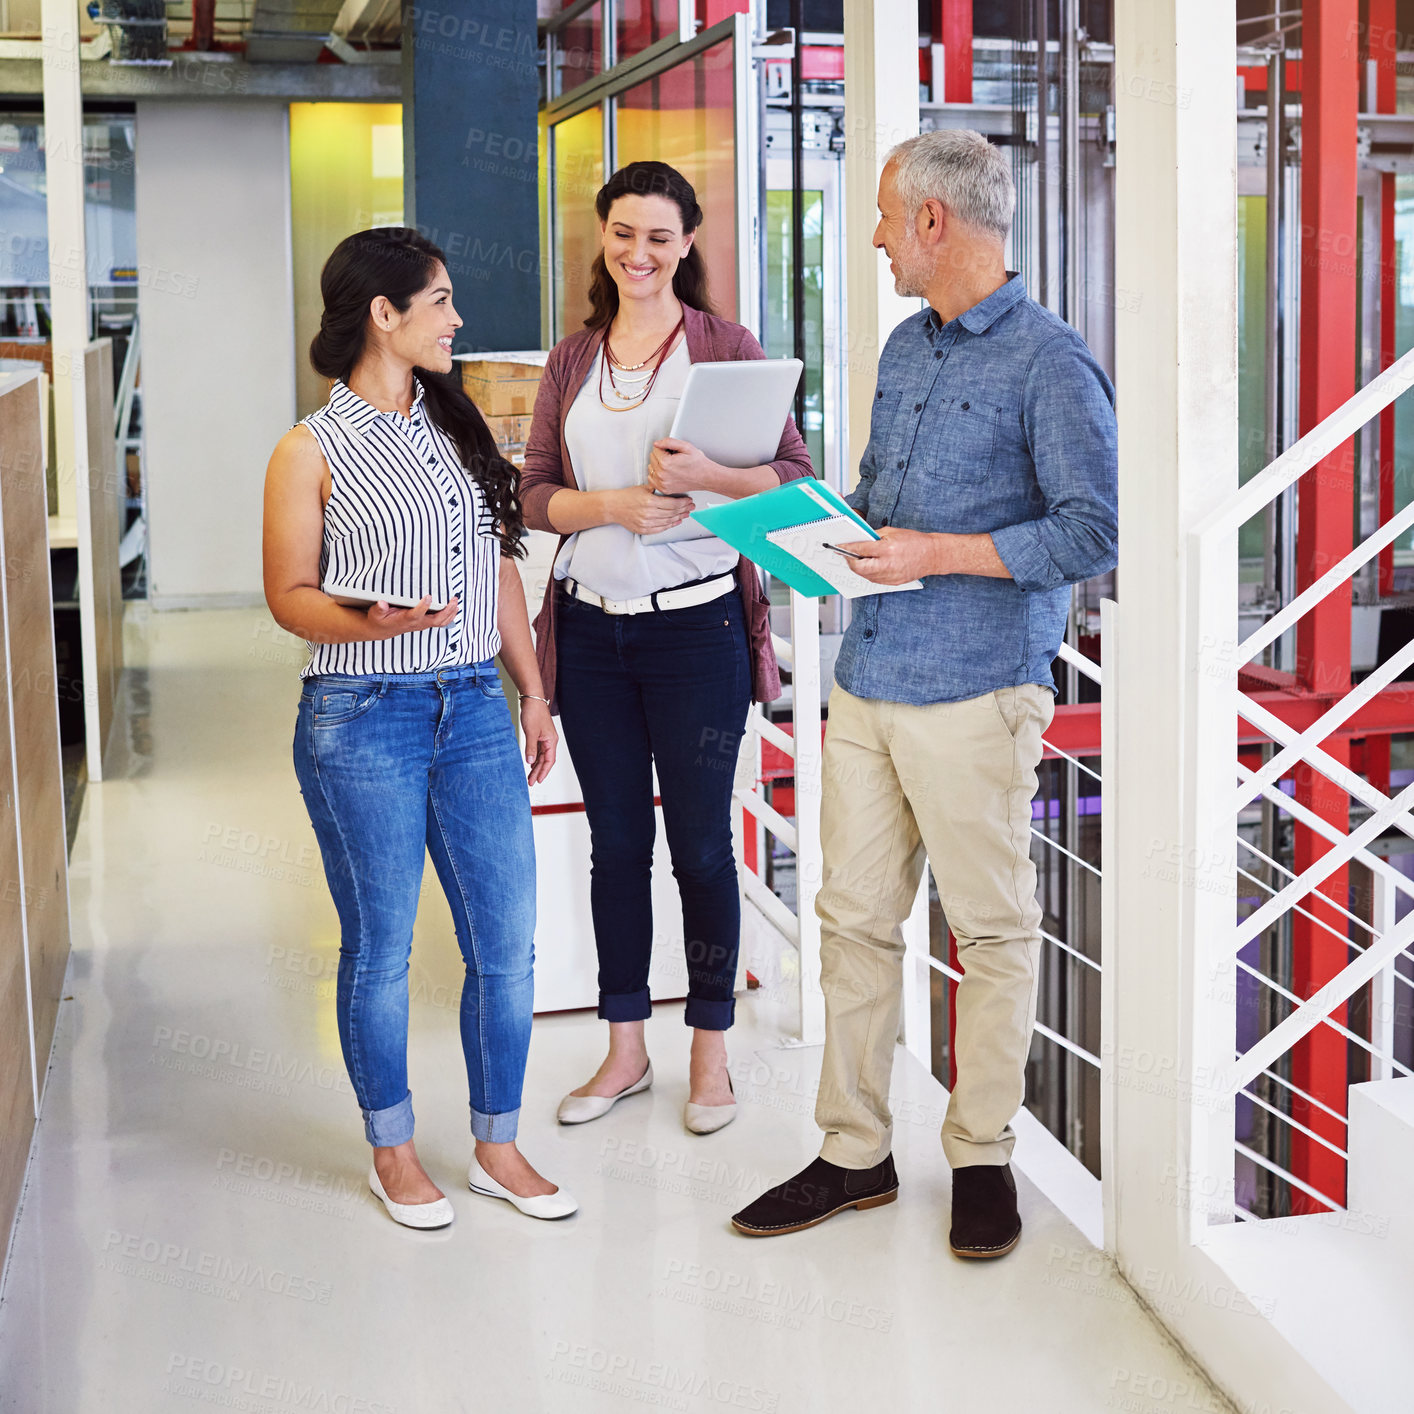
column 954, row 780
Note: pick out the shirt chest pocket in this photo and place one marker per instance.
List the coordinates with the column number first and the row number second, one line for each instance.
column 884, row 420
column 964, row 431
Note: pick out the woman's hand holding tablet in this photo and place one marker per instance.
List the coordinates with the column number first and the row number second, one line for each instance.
column 392, row 614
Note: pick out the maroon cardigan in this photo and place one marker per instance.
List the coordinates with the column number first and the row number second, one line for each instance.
column 547, row 470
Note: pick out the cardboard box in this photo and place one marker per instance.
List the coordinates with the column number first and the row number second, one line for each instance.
column 31, row 350
column 501, row 389
column 510, row 431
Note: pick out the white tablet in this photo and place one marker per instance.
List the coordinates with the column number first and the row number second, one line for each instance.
column 734, row 414
column 362, row 598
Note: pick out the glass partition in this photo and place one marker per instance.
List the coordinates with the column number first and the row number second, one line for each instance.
column 579, row 51
column 688, row 104
column 779, row 340
column 1251, row 363
column 686, row 116
column 640, row 23
column 1404, row 341
column 109, row 220
column 579, row 173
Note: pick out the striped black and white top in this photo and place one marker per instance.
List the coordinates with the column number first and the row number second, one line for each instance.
column 405, row 518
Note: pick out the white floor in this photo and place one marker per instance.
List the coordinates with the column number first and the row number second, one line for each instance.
column 196, row 1227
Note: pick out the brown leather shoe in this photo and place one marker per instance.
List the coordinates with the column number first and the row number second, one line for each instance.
column 985, row 1222
column 817, row 1192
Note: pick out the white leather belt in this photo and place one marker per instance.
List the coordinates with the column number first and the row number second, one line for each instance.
column 702, row 593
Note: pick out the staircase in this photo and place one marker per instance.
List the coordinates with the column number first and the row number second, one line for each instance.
column 1336, row 1285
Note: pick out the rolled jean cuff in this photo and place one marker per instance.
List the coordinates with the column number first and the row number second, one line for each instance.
column 386, row 1128
column 495, row 1129
column 625, row 1006
column 704, row 1015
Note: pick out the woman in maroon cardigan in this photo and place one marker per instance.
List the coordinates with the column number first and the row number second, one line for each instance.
column 650, row 652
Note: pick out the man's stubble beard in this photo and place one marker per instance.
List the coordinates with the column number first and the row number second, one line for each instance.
column 911, row 282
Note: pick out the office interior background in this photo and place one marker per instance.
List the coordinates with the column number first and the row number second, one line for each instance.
column 1219, row 196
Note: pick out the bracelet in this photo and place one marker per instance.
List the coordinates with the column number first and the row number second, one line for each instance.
column 534, row 698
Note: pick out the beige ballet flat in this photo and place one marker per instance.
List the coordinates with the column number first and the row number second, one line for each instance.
column 707, row 1119
column 580, row 1109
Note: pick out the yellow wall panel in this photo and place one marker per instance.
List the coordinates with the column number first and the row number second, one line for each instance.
column 346, row 174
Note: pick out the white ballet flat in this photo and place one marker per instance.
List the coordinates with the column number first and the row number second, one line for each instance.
column 421, row 1215
column 578, row 1109
column 707, row 1119
column 545, row 1205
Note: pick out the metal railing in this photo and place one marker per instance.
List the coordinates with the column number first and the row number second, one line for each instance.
column 801, row 745
column 920, row 963
column 1376, row 944
column 800, row 657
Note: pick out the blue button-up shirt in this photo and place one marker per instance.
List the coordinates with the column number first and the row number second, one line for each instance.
column 1001, row 421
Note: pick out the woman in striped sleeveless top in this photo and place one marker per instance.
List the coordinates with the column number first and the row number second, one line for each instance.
column 403, row 741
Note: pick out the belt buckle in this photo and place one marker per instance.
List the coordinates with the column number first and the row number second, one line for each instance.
column 613, row 606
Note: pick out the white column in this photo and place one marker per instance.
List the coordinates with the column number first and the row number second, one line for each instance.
column 916, row 1014
column 805, row 714
column 880, row 109
column 68, row 256
column 1171, row 867
column 1384, row 987
column 1109, row 878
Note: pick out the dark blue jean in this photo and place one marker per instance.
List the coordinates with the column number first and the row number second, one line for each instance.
column 392, row 768
column 670, row 689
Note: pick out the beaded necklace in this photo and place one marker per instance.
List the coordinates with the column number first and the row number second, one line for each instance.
column 630, row 386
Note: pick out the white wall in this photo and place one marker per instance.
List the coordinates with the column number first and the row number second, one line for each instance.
column 217, row 312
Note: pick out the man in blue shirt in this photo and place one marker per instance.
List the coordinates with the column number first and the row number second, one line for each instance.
column 990, row 475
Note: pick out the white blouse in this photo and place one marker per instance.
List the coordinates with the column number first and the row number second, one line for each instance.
column 404, row 518
column 609, row 451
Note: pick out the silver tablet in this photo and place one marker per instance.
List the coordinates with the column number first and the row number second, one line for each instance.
column 361, row 598
column 734, row 413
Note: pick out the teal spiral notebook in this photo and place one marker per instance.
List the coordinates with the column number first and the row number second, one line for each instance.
column 776, row 530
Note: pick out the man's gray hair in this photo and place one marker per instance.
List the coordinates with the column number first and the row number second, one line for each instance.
column 961, row 169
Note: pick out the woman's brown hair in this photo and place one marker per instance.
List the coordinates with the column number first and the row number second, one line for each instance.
column 398, row 263
column 690, row 278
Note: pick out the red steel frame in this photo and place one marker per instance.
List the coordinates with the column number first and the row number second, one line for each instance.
column 952, row 28
column 1330, row 93
column 711, row 12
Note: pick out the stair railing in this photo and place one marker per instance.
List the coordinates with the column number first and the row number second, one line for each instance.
column 1376, row 944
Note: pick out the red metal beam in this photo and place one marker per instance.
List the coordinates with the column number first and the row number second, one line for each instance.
column 1390, row 711
column 1076, row 728
column 711, row 12
column 203, row 24
column 1254, row 77
column 1330, row 96
column 1329, row 298
column 952, row 28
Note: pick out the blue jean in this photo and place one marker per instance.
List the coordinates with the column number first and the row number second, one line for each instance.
column 392, row 768
column 670, row 689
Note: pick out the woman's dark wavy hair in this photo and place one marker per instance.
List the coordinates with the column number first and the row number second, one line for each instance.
column 690, row 278
column 398, row 262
